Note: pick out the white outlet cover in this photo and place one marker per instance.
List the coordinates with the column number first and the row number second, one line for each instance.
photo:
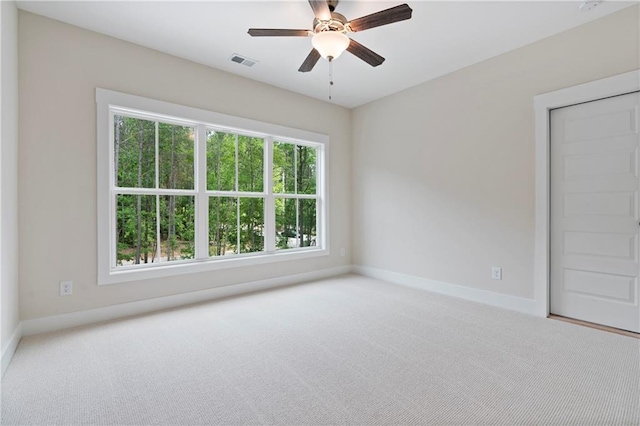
column 66, row 288
column 496, row 273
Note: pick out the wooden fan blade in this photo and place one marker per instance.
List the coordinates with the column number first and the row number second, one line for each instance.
column 320, row 9
column 367, row 55
column 310, row 62
column 384, row 17
column 276, row 32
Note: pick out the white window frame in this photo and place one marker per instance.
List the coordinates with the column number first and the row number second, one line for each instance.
column 110, row 102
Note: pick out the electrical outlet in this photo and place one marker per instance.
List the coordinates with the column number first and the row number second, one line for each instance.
column 343, row 251
column 496, row 273
column 66, row 288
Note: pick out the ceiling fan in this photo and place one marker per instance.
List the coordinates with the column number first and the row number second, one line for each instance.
column 330, row 31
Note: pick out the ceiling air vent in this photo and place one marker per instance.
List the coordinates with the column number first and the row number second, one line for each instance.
column 588, row 6
column 242, row 60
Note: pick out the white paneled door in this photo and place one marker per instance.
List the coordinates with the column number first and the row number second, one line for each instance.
column 594, row 212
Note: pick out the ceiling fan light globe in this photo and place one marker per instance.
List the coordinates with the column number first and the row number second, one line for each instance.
column 330, row 44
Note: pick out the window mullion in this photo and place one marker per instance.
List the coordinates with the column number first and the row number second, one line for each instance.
column 113, row 199
column 321, row 191
column 295, row 191
column 237, row 167
column 269, row 203
column 237, row 200
column 235, row 194
column 299, row 196
column 157, row 142
column 319, row 208
column 153, row 191
column 238, row 225
column 297, row 222
column 202, row 200
column 158, row 240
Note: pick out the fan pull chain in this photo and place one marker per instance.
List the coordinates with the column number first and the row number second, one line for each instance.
column 330, row 75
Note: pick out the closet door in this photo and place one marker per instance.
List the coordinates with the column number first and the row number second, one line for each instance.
column 594, row 212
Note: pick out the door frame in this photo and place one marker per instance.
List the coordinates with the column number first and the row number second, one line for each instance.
column 607, row 87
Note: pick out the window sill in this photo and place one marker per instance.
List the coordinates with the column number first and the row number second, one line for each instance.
column 195, row 266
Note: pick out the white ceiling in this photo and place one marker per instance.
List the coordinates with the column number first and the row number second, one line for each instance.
column 440, row 38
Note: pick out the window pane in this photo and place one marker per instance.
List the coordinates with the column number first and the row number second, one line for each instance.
column 134, row 152
column 306, row 170
column 175, row 149
column 250, row 164
column 135, row 229
column 221, row 161
column 286, row 223
column 251, row 225
column 177, row 227
column 307, row 223
column 223, row 226
column 283, row 168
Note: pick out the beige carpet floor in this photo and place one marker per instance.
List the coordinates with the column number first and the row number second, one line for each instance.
column 349, row 350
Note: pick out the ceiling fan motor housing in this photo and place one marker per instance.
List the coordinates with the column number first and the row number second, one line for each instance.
column 338, row 22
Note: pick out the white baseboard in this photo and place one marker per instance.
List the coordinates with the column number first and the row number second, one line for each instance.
column 526, row 306
column 75, row 319
column 10, row 348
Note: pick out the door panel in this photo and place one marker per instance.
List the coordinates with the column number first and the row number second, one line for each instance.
column 600, row 203
column 602, row 244
column 603, row 286
column 594, row 212
column 598, row 164
column 594, row 125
